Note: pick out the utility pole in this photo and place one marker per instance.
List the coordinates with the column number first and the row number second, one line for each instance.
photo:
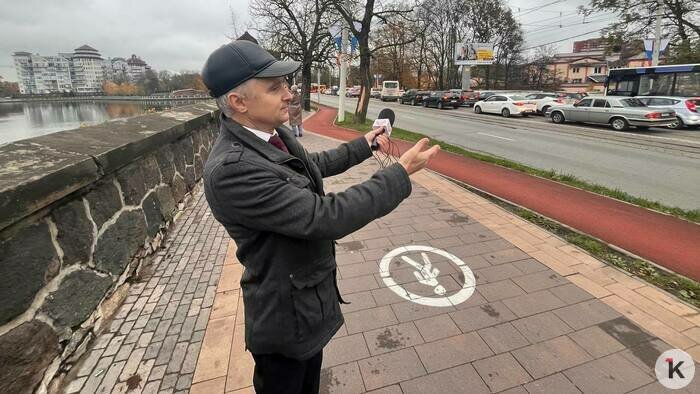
column 318, row 86
column 657, row 37
column 343, row 75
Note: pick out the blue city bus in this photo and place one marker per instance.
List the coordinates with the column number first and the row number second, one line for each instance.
column 682, row 80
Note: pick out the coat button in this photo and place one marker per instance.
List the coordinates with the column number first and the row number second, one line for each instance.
column 289, row 179
column 291, row 276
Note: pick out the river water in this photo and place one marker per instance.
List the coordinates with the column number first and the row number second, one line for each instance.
column 19, row 121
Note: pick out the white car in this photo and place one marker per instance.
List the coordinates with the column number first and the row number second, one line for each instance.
column 687, row 109
column 543, row 101
column 506, row 105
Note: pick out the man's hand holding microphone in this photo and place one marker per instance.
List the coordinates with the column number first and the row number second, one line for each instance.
column 414, row 159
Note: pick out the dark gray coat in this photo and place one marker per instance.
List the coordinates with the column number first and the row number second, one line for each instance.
column 273, row 205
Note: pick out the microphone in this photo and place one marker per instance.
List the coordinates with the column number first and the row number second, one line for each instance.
column 385, row 119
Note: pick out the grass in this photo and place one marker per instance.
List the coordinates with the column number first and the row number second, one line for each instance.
column 567, row 179
column 683, row 288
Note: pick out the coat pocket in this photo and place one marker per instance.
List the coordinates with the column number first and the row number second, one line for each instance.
column 313, row 297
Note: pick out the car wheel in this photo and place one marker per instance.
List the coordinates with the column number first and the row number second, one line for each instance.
column 678, row 124
column 544, row 109
column 439, row 106
column 477, row 109
column 505, row 112
column 619, row 124
column 413, row 102
column 557, row 117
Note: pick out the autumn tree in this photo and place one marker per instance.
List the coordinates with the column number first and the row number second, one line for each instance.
column 636, row 20
column 297, row 30
column 361, row 17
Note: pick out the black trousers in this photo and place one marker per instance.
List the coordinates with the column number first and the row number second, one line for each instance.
column 275, row 373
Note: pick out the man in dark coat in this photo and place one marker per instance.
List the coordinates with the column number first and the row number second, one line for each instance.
column 267, row 191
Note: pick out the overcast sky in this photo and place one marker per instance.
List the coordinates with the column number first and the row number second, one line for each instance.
column 178, row 35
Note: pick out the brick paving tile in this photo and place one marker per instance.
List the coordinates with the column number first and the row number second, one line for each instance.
column 502, row 338
column 357, row 284
column 166, row 350
column 645, row 354
column 157, row 373
column 345, row 349
column 437, row 327
column 505, row 256
column 241, row 365
column 358, row 301
column 596, row 342
column 552, row 384
column 497, row 273
column 390, row 368
column 96, row 375
column 169, row 381
column 551, row 356
column 408, row 311
column 369, row 319
column 585, row 314
column 215, row 349
column 396, row 389
column 132, row 364
column 481, row 316
column 570, row 293
column 501, row 372
column 529, row 266
column 611, row 374
column 392, row 338
column 539, row 281
column 110, row 377
column 496, row 291
column 541, row 327
column 533, row 303
column 460, row 379
column 476, row 299
column 345, row 378
column 452, row 351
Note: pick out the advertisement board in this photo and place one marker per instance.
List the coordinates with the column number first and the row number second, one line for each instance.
column 473, row 53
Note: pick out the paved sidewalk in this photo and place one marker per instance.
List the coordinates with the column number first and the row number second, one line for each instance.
column 544, row 316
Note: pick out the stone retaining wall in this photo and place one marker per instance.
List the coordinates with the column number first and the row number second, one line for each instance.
column 80, row 212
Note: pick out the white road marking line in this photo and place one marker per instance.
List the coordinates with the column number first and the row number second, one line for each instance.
column 495, row 136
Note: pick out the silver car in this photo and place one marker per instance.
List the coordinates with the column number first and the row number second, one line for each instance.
column 687, row 109
column 619, row 112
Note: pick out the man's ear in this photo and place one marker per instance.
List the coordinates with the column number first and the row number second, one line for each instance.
column 238, row 103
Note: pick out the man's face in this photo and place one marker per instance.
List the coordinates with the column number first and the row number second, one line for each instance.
column 267, row 102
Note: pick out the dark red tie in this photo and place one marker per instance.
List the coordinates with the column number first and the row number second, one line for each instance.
column 278, row 143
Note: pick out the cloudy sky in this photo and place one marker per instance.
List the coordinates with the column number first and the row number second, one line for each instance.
column 178, row 35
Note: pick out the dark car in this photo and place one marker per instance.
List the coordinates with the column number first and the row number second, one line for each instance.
column 442, row 99
column 413, row 96
column 469, row 97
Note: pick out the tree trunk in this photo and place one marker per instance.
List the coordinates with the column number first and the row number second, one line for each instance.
column 365, row 83
column 306, row 85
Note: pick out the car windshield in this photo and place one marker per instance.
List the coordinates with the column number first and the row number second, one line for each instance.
column 632, row 102
column 516, row 98
column 391, row 85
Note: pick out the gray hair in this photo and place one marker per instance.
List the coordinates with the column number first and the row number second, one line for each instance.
column 222, row 101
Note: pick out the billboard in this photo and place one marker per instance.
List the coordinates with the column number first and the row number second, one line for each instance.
column 473, row 53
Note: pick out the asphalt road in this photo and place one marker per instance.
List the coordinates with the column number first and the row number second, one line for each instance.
column 659, row 164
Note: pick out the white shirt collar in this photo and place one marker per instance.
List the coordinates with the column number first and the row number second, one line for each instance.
column 263, row 135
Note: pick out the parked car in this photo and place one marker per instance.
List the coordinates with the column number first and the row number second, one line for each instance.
column 687, row 109
column 441, row 99
column 375, row 93
column 570, row 98
column 619, row 112
column 543, row 101
column 413, row 96
column 353, row 92
column 506, row 105
column 469, row 98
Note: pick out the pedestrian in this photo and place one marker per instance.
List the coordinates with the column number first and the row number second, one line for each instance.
column 267, row 191
column 295, row 112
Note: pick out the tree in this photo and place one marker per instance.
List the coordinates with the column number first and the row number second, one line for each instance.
column 8, row 88
column 636, row 19
column 390, row 14
column 296, row 29
column 537, row 73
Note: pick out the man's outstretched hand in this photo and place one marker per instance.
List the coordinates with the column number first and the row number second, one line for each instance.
column 382, row 139
column 415, row 159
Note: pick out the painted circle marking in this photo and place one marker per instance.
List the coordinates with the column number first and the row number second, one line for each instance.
column 426, row 275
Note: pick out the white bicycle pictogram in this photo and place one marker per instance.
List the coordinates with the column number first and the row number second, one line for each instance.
column 427, row 275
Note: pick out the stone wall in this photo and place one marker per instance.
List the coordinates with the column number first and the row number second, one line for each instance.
column 80, row 212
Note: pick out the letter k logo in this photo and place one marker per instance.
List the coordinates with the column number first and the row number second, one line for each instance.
column 672, row 369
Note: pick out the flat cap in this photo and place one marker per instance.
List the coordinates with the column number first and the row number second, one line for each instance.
column 236, row 62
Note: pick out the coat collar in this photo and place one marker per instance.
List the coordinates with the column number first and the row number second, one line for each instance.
column 264, row 148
